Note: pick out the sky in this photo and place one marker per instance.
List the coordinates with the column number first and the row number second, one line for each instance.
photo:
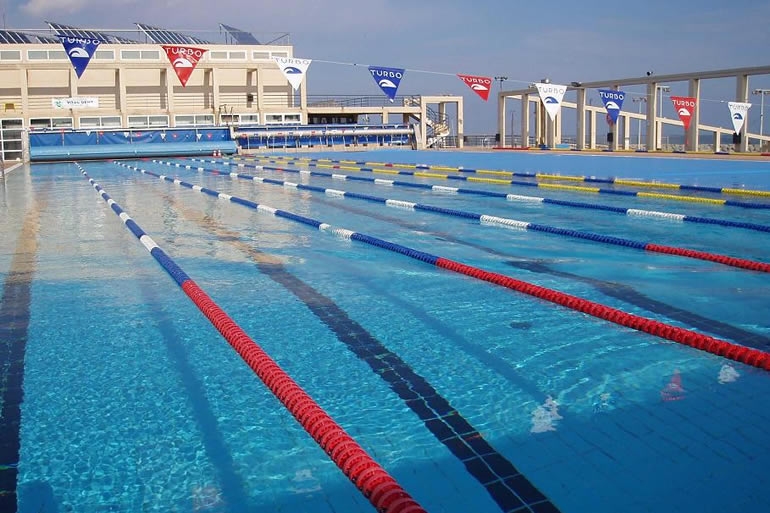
column 563, row 41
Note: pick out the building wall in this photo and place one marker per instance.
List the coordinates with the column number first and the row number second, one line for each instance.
column 136, row 82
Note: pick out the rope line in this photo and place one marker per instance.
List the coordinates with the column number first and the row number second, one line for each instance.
column 543, row 176
column 384, row 493
column 496, row 221
column 562, row 187
column 650, row 214
column 730, row 350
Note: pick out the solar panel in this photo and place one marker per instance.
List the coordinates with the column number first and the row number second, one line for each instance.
column 168, row 37
column 240, row 37
column 13, row 37
column 67, row 30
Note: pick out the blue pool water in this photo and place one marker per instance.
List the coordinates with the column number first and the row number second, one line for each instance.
column 133, row 402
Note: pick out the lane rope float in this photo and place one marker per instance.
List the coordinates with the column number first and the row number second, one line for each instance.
column 496, row 221
column 382, row 490
column 547, row 176
column 729, row 350
column 648, row 214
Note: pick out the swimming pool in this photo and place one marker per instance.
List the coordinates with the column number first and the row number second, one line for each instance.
column 474, row 397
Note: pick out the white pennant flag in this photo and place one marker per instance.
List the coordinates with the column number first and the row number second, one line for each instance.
column 738, row 111
column 293, row 69
column 551, row 96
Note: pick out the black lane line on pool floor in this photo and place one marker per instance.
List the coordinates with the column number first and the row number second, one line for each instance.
column 14, row 325
column 510, row 489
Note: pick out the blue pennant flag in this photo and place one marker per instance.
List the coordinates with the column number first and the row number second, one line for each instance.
column 613, row 102
column 388, row 79
column 79, row 50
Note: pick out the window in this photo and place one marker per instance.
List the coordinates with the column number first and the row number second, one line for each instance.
column 10, row 55
column 150, row 55
column 260, row 55
column 237, row 56
column 279, row 54
column 194, row 120
column 37, row 55
column 48, row 123
column 283, row 119
column 130, row 55
column 100, row 122
column 104, row 55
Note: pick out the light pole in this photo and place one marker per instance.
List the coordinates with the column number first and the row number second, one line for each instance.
column 500, row 79
column 639, row 100
column 662, row 89
column 761, row 93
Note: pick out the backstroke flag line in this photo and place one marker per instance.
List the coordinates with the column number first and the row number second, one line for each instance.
column 613, row 102
column 293, row 69
column 388, row 79
column 685, row 108
column 183, row 59
column 738, row 111
column 79, row 50
column 551, row 96
column 480, row 85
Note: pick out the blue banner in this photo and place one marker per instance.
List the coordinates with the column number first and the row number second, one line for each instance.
column 388, row 79
column 79, row 50
column 613, row 102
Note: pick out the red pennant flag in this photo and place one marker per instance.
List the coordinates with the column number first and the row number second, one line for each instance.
column 183, row 59
column 481, row 85
column 685, row 108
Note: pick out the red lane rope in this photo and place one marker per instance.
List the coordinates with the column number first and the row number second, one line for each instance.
column 747, row 355
column 373, row 481
column 702, row 255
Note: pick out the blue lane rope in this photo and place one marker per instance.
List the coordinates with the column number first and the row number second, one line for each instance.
column 683, row 336
column 650, row 214
column 501, row 221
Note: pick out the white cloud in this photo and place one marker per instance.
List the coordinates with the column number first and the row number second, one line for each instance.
column 39, row 7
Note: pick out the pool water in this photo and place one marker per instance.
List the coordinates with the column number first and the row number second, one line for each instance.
column 133, row 402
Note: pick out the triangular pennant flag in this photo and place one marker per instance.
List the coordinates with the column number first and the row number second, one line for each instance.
column 551, row 96
column 293, row 69
column 685, row 108
column 481, row 85
column 183, row 59
column 388, row 79
column 613, row 102
column 79, row 50
column 738, row 111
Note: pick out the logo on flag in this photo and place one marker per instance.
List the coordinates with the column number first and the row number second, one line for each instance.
column 738, row 111
column 183, row 59
column 613, row 102
column 480, row 85
column 293, row 69
column 388, row 79
column 551, row 96
column 685, row 108
column 79, row 50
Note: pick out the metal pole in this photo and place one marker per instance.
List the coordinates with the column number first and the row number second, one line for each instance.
column 761, row 113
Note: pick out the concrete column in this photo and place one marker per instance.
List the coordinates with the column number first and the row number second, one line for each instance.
column 120, row 92
column 742, row 95
column 73, row 94
column 260, row 94
column 461, row 124
column 215, row 100
column 165, row 78
column 557, row 129
column 615, row 144
column 691, row 140
column 24, row 81
column 550, row 129
column 303, row 101
column 626, row 132
column 501, row 118
column 652, row 117
column 592, row 128
column 581, row 119
column 423, row 144
column 524, row 120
